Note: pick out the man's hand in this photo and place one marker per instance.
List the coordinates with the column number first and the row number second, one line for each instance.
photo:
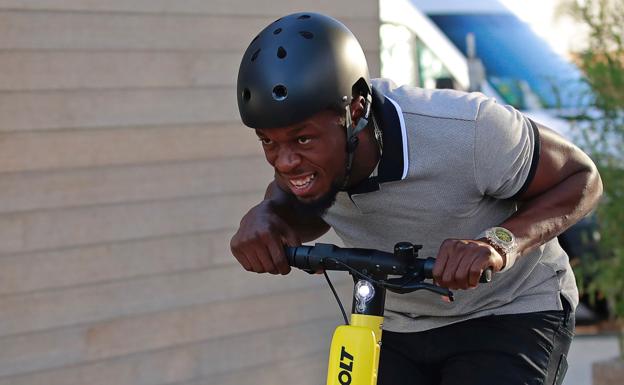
column 460, row 263
column 258, row 245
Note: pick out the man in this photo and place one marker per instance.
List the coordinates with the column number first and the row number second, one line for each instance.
column 477, row 183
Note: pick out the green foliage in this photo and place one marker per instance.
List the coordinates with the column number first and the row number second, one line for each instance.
column 602, row 129
column 608, row 273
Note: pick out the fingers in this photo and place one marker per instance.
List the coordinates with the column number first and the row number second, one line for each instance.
column 276, row 251
column 460, row 263
column 243, row 260
column 475, row 271
column 469, row 270
column 239, row 255
column 289, row 236
column 258, row 245
column 266, row 259
column 441, row 261
column 256, row 265
column 259, row 258
column 249, row 253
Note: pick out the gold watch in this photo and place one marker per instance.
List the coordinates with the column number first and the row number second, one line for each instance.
column 503, row 241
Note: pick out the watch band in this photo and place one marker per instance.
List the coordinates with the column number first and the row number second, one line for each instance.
column 504, row 242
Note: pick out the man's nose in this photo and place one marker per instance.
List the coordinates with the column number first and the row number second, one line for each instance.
column 287, row 160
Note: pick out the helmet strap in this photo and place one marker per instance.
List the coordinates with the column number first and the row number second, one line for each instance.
column 352, row 139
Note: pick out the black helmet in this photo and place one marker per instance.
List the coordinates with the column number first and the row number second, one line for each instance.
column 298, row 66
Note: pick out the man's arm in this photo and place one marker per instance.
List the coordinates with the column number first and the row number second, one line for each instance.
column 565, row 188
column 258, row 245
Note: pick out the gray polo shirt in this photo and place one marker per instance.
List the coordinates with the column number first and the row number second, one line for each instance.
column 451, row 167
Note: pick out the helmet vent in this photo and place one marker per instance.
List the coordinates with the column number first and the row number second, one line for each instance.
column 246, row 95
column 255, row 55
column 281, row 52
column 306, row 34
column 277, row 31
column 303, row 17
column 280, row 92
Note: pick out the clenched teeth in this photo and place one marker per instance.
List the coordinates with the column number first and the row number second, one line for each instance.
column 302, row 182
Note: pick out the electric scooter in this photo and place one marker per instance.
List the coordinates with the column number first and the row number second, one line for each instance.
column 355, row 346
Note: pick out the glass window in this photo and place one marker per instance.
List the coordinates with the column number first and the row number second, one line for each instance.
column 431, row 67
column 398, row 54
column 406, row 60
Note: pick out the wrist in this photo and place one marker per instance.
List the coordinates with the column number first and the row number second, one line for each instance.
column 504, row 242
column 498, row 250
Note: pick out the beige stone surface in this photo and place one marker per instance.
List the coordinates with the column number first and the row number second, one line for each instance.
column 307, row 370
column 83, row 70
column 85, row 109
column 223, row 357
column 218, row 321
column 120, row 31
column 93, row 303
column 267, row 8
column 88, row 265
column 70, row 149
column 69, row 70
column 40, row 230
column 124, row 171
column 85, row 186
column 609, row 372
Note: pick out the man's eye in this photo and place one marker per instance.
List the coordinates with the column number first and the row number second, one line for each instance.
column 265, row 141
column 303, row 140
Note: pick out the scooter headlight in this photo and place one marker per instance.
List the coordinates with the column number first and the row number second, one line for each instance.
column 364, row 292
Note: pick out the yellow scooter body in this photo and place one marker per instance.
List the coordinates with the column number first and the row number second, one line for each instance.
column 354, row 353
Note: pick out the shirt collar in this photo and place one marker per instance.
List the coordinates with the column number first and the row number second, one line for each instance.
column 394, row 161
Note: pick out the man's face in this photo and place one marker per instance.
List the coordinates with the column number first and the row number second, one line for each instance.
column 308, row 157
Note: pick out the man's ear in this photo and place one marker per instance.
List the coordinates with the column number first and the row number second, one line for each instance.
column 358, row 108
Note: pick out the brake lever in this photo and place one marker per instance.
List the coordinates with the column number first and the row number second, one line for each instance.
column 399, row 283
column 402, row 286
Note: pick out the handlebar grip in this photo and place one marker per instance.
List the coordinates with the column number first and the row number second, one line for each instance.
column 427, row 269
column 302, row 258
column 486, row 276
column 332, row 257
column 290, row 255
column 428, row 263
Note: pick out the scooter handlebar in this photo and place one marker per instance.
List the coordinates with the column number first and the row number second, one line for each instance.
column 324, row 256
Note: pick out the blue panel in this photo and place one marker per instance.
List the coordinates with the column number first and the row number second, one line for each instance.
column 511, row 52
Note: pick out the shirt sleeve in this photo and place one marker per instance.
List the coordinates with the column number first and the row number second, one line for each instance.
column 506, row 150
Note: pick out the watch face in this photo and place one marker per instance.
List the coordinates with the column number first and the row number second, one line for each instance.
column 503, row 235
